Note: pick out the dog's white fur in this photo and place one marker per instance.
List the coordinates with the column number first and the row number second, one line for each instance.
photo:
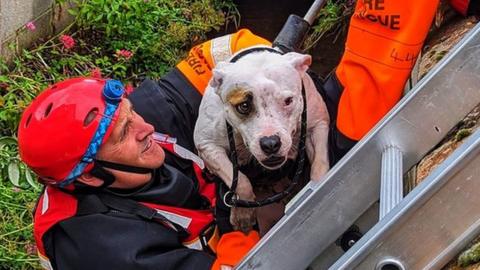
column 273, row 83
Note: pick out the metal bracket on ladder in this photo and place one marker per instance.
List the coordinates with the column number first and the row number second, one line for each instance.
column 322, row 212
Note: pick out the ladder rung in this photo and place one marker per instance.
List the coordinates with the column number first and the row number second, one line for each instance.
column 391, row 183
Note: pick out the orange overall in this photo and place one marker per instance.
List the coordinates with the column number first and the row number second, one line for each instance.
column 384, row 40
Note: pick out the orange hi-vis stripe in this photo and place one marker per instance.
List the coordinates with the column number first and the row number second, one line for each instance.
column 384, row 40
column 201, row 59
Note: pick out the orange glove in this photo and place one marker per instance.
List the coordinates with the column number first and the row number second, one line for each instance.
column 232, row 247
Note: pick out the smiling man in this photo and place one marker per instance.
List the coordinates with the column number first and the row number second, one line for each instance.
column 110, row 200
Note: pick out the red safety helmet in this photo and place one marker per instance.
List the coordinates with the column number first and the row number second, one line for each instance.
column 55, row 138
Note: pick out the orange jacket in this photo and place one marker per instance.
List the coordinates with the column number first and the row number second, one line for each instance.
column 201, row 59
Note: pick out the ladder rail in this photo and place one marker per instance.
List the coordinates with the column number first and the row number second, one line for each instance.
column 420, row 218
column 323, row 211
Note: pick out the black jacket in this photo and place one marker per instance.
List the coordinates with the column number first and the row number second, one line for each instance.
column 99, row 237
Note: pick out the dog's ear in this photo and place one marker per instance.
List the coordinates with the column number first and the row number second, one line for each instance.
column 301, row 62
column 218, row 76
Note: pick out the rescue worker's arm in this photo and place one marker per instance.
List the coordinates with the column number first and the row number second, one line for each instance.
column 384, row 40
column 120, row 241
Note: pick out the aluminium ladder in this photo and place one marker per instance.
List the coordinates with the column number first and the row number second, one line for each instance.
column 350, row 191
column 432, row 224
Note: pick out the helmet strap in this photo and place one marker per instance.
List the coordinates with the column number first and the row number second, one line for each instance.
column 108, row 178
column 99, row 172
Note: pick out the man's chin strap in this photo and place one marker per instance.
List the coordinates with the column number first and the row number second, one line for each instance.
column 108, row 178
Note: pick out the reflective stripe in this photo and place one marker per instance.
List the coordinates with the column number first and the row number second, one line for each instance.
column 176, row 218
column 194, row 244
column 186, row 154
column 169, row 143
column 45, row 202
column 185, row 222
column 164, row 138
column 44, row 262
column 221, row 50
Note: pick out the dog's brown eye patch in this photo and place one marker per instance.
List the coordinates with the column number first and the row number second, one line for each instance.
column 241, row 100
column 237, row 96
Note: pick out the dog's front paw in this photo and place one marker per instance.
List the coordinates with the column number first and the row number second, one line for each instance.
column 243, row 219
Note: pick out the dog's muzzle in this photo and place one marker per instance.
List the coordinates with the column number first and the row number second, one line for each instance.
column 273, row 161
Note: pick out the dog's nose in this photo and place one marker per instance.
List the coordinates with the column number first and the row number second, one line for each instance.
column 270, row 144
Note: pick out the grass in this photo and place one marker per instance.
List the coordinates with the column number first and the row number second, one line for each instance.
column 332, row 20
column 17, row 250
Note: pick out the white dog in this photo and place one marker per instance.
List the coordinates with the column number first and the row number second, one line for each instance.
column 260, row 96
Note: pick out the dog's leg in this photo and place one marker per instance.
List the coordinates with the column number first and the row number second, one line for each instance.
column 317, row 150
column 218, row 163
column 317, row 134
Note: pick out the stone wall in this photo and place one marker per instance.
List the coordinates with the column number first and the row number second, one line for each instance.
column 48, row 18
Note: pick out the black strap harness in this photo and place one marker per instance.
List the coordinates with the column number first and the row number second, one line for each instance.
column 231, row 198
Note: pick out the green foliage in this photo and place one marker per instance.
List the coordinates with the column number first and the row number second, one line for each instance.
column 17, row 250
column 440, row 55
column 157, row 33
column 160, row 38
column 12, row 168
column 332, row 19
column 469, row 256
column 462, row 134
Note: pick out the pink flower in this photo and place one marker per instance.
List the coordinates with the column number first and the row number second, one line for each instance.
column 67, row 41
column 31, row 249
column 129, row 88
column 96, row 73
column 4, row 86
column 30, row 26
column 124, row 54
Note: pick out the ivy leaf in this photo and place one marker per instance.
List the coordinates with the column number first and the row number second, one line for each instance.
column 31, row 180
column 7, row 141
column 14, row 173
column 72, row 12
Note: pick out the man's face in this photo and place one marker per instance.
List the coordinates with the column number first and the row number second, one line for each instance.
column 131, row 143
